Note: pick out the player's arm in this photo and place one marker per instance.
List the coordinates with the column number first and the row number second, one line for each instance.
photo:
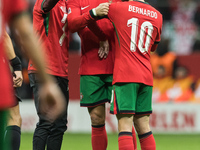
column 14, row 61
column 52, row 100
column 47, row 5
column 103, row 44
column 9, row 50
column 99, row 12
column 76, row 20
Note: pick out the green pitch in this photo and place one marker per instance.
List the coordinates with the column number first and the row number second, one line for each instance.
column 82, row 142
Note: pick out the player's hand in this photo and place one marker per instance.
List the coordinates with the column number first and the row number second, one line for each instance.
column 102, row 9
column 52, row 103
column 104, row 49
column 17, row 79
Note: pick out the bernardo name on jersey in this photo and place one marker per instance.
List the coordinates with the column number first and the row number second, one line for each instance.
column 143, row 11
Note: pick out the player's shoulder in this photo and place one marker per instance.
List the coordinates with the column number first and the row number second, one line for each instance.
column 116, row 3
column 147, row 6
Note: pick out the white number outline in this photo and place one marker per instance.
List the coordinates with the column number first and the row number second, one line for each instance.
column 134, row 22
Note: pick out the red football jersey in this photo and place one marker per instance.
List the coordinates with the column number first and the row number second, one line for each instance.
column 138, row 26
column 52, row 30
column 8, row 9
column 78, row 17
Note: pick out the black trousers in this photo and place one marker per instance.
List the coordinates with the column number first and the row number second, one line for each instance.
column 48, row 134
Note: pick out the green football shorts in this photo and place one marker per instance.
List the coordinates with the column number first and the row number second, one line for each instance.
column 95, row 89
column 131, row 98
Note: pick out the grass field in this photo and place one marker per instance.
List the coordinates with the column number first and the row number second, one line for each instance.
column 82, row 142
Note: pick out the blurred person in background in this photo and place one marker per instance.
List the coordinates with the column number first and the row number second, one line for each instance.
column 182, row 29
column 161, row 83
column 13, row 129
column 196, row 94
column 50, row 24
column 182, row 90
column 52, row 101
column 164, row 63
column 164, row 57
column 196, row 47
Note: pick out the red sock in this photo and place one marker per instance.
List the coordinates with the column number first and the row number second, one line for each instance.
column 125, row 141
column 134, row 138
column 99, row 138
column 147, row 141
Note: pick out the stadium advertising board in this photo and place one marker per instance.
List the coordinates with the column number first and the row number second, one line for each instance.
column 166, row 118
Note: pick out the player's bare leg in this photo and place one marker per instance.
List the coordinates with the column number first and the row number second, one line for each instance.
column 97, row 114
column 125, row 124
column 99, row 135
column 145, row 135
column 141, row 124
column 13, row 129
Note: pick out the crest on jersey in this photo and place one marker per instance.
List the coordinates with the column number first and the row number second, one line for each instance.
column 69, row 10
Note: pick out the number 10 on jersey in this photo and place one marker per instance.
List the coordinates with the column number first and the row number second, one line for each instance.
column 145, row 36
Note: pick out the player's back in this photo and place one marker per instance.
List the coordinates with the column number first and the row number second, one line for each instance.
column 138, row 26
column 52, row 29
